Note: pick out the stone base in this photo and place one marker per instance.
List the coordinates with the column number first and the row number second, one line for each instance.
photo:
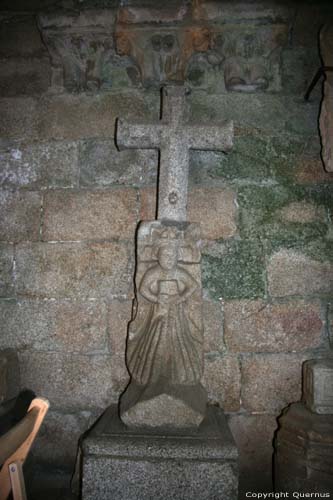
column 303, row 459
column 123, row 464
column 163, row 405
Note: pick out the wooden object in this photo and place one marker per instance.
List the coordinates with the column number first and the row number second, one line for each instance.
column 14, row 448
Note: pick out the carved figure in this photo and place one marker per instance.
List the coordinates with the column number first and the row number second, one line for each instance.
column 166, row 342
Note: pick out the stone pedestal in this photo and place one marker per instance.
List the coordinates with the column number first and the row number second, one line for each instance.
column 125, row 464
column 304, row 451
column 304, row 442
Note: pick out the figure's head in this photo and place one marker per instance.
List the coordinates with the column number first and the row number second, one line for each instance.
column 168, row 256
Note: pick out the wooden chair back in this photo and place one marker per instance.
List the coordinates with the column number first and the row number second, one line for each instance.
column 14, row 448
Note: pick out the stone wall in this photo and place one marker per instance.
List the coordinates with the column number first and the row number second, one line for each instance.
column 70, row 203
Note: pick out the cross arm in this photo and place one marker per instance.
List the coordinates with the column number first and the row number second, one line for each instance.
column 211, row 137
column 138, row 135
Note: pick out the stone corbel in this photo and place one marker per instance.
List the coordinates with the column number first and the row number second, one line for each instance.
column 198, row 42
column 161, row 54
column 81, row 48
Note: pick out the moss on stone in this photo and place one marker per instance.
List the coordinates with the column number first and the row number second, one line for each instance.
column 249, row 159
column 285, row 151
column 321, row 195
column 254, row 157
column 261, row 213
column 234, row 269
column 320, row 249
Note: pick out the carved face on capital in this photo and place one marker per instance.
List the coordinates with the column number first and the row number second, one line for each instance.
column 168, row 256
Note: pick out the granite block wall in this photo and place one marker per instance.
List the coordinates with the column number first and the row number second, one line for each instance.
column 70, row 203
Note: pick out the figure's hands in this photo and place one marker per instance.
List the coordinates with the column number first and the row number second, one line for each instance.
column 168, row 299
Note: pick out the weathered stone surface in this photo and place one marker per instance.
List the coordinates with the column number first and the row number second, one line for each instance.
column 183, row 464
column 6, row 270
column 318, row 385
column 20, row 76
column 213, row 322
column 119, row 315
column 101, row 164
column 257, row 326
column 215, row 209
column 222, row 378
column 68, row 270
column 254, row 438
column 251, row 158
column 3, row 378
column 213, row 10
column 148, row 203
column 303, row 452
column 134, row 13
column 82, row 116
column 68, row 381
column 292, row 273
column 165, row 340
column 258, row 111
column 71, row 117
column 326, row 115
column 310, row 171
column 270, row 382
column 282, row 213
column 234, row 270
column 174, row 137
column 89, row 215
column 48, row 164
column 302, row 212
column 57, row 440
column 21, row 213
column 10, row 374
column 19, row 36
column 19, row 118
column 54, row 326
column 299, row 65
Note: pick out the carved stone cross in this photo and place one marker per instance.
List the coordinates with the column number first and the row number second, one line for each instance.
column 165, row 336
column 174, row 138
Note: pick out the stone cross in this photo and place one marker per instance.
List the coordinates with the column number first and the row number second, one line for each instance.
column 174, row 138
column 165, row 336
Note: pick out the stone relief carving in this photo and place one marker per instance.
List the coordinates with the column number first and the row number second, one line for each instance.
column 81, row 49
column 161, row 54
column 81, row 63
column 252, row 57
column 150, row 46
column 165, row 337
column 248, row 57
